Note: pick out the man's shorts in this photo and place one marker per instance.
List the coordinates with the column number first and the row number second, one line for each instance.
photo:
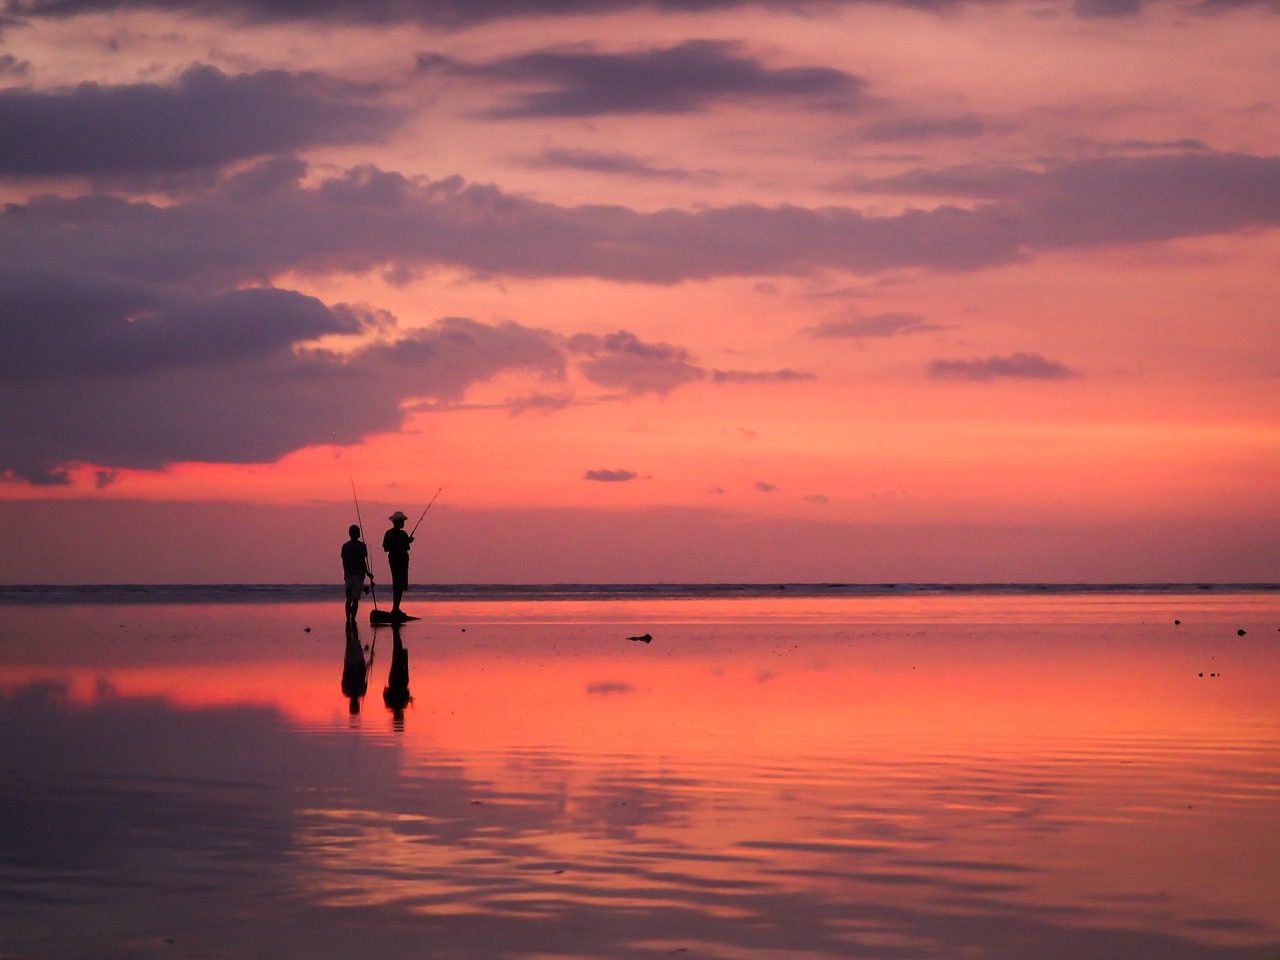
column 355, row 586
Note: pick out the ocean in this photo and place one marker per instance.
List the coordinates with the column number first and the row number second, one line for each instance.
column 888, row 772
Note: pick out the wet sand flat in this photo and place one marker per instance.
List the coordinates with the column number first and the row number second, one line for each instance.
column 877, row 777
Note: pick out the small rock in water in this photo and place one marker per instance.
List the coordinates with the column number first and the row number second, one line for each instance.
column 306, row 629
column 1240, row 633
column 1177, row 623
column 645, row 638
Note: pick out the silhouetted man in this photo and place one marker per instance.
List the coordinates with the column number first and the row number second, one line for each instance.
column 355, row 567
column 396, row 542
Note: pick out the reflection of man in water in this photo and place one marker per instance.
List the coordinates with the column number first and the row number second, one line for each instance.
column 355, row 567
column 396, row 693
column 355, row 671
column 396, row 542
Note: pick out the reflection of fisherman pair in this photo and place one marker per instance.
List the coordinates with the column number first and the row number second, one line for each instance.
column 356, row 670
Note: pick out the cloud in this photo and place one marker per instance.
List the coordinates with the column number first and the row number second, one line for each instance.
column 879, row 325
column 58, row 326
column 608, row 688
column 784, row 375
column 541, row 402
column 462, row 13
column 610, row 476
column 620, row 164
column 11, row 66
column 368, row 218
column 764, row 487
column 204, row 119
column 1023, row 366
column 623, row 361
column 817, row 498
column 265, row 222
column 153, row 400
column 688, row 77
column 924, row 128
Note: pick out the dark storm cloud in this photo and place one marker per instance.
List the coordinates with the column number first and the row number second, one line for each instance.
column 784, row 375
column 1021, row 366
column 580, row 82
column 879, row 325
column 623, row 361
column 204, row 119
column 153, row 401
column 610, row 476
column 620, row 164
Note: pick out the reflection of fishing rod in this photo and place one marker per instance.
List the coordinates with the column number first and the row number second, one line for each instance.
column 368, row 562
column 424, row 512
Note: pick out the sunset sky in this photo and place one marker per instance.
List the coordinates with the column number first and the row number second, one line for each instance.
column 689, row 290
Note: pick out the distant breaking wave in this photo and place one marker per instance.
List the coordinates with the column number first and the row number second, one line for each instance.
column 295, row 592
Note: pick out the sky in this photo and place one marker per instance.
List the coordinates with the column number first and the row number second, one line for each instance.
column 680, row 291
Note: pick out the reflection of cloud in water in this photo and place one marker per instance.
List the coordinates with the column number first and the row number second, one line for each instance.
column 231, row 832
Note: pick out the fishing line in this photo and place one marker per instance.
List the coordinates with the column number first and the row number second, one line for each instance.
column 424, row 512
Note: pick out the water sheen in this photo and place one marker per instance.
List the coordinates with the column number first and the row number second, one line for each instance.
column 969, row 774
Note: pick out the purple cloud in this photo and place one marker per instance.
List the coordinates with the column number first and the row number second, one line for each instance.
column 691, row 76
column 623, row 361
column 265, row 222
column 784, row 375
column 1022, row 366
column 618, row 164
column 608, row 688
column 924, row 128
column 879, row 325
column 462, row 13
column 610, row 476
column 151, row 400
column 82, row 130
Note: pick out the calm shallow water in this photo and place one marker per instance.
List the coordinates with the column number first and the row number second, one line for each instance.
column 976, row 776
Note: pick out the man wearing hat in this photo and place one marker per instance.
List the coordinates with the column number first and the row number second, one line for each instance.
column 396, row 542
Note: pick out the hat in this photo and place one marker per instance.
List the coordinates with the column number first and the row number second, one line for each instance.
column 398, row 515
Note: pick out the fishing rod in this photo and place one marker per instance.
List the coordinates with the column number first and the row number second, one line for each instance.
column 367, row 560
column 424, row 512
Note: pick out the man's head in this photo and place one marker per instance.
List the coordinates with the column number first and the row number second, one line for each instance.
column 353, row 532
